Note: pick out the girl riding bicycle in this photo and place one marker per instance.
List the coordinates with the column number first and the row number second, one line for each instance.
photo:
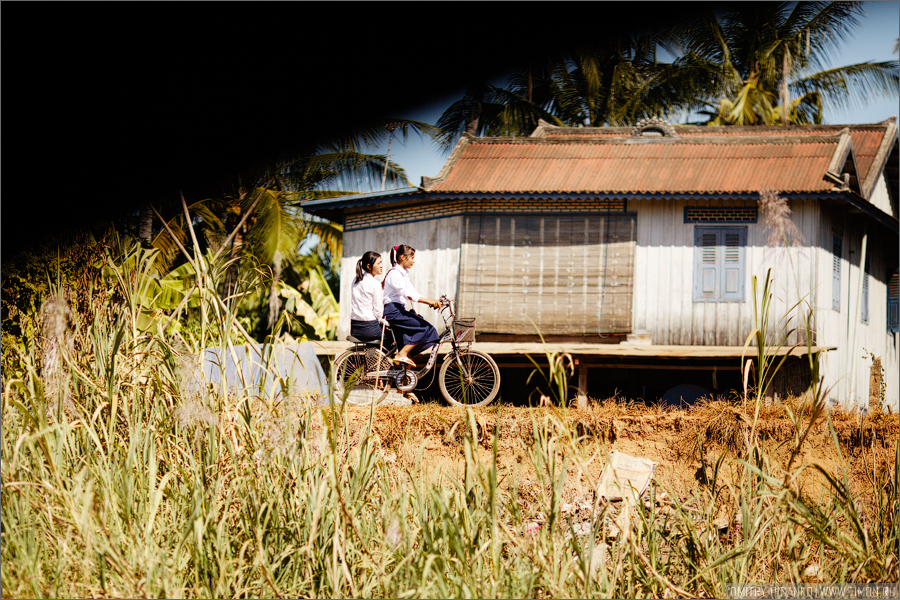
column 366, row 300
column 414, row 332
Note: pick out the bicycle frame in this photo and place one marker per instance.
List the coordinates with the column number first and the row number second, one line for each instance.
column 446, row 336
column 467, row 377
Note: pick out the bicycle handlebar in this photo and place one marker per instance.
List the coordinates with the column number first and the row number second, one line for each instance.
column 446, row 303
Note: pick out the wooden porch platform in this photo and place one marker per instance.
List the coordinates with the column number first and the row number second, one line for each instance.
column 646, row 351
column 606, row 356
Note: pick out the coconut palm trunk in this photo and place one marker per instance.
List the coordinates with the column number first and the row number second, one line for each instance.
column 785, row 91
column 475, row 108
column 145, row 232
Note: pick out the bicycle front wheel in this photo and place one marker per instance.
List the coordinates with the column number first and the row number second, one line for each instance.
column 471, row 378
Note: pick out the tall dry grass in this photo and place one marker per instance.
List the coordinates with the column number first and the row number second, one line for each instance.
column 145, row 487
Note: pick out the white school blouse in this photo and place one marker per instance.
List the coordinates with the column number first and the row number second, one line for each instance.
column 397, row 287
column 365, row 299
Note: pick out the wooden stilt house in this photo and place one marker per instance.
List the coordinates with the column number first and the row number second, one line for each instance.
column 634, row 248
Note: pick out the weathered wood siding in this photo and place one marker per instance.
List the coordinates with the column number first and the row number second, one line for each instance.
column 436, row 272
column 836, row 326
column 881, row 198
column 663, row 289
column 663, row 282
column 664, row 274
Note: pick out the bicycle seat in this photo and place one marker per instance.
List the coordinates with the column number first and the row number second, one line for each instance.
column 355, row 340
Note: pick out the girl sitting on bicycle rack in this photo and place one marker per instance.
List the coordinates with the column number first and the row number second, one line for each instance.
column 367, row 302
column 413, row 331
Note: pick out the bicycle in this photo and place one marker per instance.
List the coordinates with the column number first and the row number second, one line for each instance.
column 467, row 377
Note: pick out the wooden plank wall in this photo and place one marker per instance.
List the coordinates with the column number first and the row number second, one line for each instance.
column 881, row 198
column 436, row 272
column 664, row 261
column 663, row 282
column 663, row 294
column 836, row 326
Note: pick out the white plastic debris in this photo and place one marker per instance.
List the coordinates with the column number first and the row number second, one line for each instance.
column 532, row 527
column 598, row 558
column 625, row 477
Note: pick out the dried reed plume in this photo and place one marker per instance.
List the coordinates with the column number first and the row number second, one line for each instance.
column 777, row 215
column 56, row 342
column 193, row 412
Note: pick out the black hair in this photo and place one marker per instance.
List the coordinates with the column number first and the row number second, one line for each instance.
column 401, row 250
column 364, row 264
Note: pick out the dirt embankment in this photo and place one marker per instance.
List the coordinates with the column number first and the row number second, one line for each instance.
column 686, row 444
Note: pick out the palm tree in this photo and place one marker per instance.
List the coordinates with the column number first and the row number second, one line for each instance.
column 754, row 63
column 620, row 81
column 769, row 61
column 473, row 113
column 612, row 81
column 261, row 207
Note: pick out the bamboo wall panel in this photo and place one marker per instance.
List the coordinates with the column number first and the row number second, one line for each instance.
column 567, row 274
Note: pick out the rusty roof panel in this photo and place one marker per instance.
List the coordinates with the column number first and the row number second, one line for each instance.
column 865, row 146
column 670, row 166
column 866, row 137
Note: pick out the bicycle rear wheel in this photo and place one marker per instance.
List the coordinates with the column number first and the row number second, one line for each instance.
column 471, row 378
column 350, row 380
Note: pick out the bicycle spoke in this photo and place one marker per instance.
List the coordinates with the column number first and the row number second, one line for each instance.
column 352, row 374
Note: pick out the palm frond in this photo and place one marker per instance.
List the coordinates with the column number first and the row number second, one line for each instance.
column 375, row 132
column 518, row 116
column 455, row 118
column 828, row 28
column 433, row 132
column 206, row 220
column 852, row 85
column 330, row 234
column 276, row 226
column 344, row 168
column 753, row 49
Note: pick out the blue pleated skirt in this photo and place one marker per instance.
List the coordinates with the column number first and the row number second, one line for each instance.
column 370, row 330
column 410, row 328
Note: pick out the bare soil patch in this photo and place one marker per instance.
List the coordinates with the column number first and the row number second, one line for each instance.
column 686, row 444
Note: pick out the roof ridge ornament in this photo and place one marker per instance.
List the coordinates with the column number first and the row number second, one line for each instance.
column 653, row 127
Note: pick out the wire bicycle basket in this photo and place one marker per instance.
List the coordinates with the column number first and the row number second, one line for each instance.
column 464, row 330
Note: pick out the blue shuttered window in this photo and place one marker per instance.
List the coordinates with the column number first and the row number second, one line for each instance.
column 893, row 303
column 837, row 250
column 719, row 257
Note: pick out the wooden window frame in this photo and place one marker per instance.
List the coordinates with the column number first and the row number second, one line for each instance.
column 893, row 302
column 720, row 268
column 837, row 251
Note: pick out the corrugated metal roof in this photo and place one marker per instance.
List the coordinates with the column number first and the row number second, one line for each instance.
column 703, row 164
column 866, row 137
column 865, row 146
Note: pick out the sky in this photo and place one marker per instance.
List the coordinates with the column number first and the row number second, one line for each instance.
column 874, row 40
